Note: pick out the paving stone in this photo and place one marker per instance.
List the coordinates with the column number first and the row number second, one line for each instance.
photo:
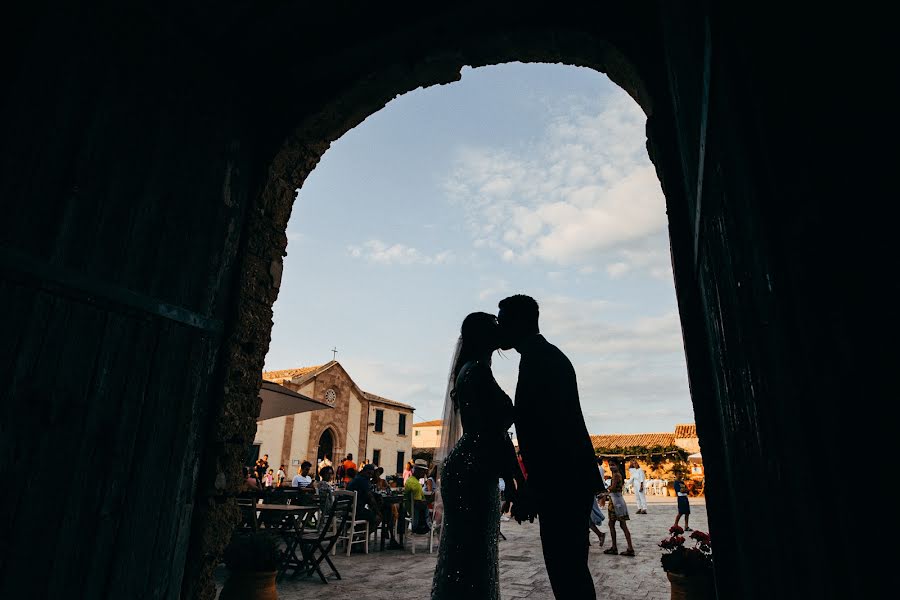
column 400, row 575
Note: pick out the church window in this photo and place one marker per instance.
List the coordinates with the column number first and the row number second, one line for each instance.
column 379, row 420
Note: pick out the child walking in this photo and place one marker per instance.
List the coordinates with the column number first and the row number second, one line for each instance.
column 684, row 507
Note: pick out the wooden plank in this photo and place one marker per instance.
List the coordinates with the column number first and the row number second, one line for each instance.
column 51, row 392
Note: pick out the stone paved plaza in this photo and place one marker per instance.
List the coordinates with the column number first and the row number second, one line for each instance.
column 401, row 575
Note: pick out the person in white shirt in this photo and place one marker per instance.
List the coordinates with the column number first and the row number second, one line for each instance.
column 302, row 478
column 637, row 483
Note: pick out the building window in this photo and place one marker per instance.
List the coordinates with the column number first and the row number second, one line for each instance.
column 439, row 432
column 379, row 420
column 400, row 458
column 402, row 429
column 416, row 432
column 376, row 457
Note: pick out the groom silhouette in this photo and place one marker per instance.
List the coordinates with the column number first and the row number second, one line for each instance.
column 551, row 432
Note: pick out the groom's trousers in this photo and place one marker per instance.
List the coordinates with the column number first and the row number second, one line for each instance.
column 564, row 540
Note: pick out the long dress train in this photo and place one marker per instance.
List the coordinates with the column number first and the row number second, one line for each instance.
column 468, row 562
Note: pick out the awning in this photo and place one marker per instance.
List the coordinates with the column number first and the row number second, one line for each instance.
column 695, row 458
column 278, row 401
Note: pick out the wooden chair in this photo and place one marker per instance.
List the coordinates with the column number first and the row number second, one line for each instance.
column 348, row 533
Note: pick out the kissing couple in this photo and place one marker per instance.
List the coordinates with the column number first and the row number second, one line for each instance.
column 476, row 450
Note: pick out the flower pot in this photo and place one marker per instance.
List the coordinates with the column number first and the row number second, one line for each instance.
column 249, row 585
column 691, row 587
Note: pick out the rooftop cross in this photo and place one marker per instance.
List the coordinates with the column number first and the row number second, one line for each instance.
column 334, row 353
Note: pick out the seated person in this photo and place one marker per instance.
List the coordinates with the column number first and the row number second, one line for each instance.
column 251, row 483
column 392, row 517
column 413, row 494
column 302, row 478
column 366, row 504
column 325, row 485
column 325, row 488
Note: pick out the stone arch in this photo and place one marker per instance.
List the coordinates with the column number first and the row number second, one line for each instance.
column 333, row 446
column 146, row 179
column 625, row 61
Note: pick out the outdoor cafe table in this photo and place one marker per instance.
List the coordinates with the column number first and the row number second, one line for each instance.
column 291, row 518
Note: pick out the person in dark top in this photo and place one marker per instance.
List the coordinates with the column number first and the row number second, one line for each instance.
column 366, row 504
column 262, row 466
column 684, row 506
column 550, row 428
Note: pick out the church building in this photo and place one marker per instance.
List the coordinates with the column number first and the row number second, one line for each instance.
column 365, row 424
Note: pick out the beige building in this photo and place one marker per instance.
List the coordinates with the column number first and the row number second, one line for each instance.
column 684, row 437
column 361, row 423
column 427, row 435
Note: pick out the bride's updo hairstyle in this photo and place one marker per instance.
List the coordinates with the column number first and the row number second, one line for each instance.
column 480, row 336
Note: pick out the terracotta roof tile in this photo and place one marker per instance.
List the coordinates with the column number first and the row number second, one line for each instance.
column 688, row 430
column 373, row 398
column 624, row 440
column 290, row 373
column 429, row 423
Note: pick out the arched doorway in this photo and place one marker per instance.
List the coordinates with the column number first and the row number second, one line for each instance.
column 326, row 447
column 154, row 314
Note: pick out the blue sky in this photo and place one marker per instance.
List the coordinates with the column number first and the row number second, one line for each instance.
column 517, row 179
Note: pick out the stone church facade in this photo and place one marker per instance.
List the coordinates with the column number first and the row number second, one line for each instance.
column 364, row 424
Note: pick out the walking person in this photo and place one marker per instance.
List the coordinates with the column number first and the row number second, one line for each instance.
column 684, row 507
column 618, row 511
column 638, row 480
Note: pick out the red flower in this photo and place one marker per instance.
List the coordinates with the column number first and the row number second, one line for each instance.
column 701, row 537
column 686, row 560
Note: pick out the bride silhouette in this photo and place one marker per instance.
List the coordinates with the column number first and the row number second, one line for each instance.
column 475, row 451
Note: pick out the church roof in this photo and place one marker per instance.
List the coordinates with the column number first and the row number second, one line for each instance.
column 288, row 374
column 373, row 398
column 624, row 440
column 686, row 431
column 301, row 375
column 436, row 422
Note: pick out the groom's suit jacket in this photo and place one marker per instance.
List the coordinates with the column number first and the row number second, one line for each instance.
column 553, row 438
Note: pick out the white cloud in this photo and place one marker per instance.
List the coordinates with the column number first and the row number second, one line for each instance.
column 496, row 289
column 585, row 194
column 378, row 252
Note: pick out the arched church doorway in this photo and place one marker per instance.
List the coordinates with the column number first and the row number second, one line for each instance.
column 326, row 447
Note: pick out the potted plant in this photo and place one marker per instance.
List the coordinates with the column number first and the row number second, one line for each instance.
column 252, row 560
column 689, row 569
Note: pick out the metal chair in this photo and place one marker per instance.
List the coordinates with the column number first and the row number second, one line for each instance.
column 249, row 520
column 317, row 545
column 416, row 510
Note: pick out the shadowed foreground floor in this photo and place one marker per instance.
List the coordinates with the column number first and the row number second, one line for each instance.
column 401, row 575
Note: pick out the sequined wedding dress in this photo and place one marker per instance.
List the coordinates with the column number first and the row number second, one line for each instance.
column 467, row 566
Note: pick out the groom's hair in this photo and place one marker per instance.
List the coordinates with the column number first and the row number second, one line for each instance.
column 522, row 311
